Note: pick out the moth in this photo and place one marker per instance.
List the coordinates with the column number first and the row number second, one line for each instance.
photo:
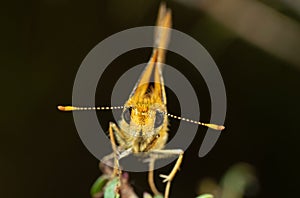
column 143, row 127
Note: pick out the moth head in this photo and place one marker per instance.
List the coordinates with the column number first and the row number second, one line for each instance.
column 143, row 120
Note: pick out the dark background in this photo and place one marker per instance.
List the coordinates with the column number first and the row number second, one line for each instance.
column 43, row 45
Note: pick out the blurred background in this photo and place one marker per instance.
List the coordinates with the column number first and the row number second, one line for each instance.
column 256, row 45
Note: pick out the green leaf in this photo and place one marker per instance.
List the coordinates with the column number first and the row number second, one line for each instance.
column 236, row 180
column 110, row 189
column 98, row 185
column 205, row 196
column 158, row 196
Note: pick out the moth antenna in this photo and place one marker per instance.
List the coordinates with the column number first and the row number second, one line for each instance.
column 212, row 126
column 72, row 108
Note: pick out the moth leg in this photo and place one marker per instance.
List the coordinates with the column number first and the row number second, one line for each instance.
column 107, row 161
column 108, row 157
column 151, row 177
column 113, row 127
column 166, row 154
column 125, row 153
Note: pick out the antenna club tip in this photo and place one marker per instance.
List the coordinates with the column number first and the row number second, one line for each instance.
column 65, row 108
column 216, row 127
column 61, row 108
column 221, row 128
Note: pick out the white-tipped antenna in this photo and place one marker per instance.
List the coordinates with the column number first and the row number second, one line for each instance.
column 212, row 126
column 72, row 108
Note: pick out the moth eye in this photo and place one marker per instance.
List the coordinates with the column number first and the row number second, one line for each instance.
column 159, row 119
column 127, row 115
